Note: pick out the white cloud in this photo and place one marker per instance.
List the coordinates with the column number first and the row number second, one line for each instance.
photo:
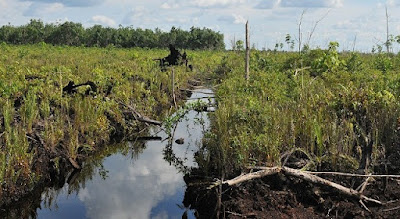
column 268, row 4
column 311, row 3
column 177, row 20
column 239, row 19
column 3, row 3
column 103, row 20
column 172, row 4
column 41, row 9
column 70, row 3
column 216, row 3
column 166, row 6
column 393, row 3
column 233, row 19
column 135, row 15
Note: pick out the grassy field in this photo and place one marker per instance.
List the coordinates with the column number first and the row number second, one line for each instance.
column 43, row 127
column 341, row 111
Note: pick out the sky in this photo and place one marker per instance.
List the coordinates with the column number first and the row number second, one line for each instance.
column 353, row 23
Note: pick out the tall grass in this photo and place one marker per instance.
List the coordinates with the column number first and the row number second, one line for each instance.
column 331, row 113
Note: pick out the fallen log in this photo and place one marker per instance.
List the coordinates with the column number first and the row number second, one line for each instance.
column 318, row 180
column 304, row 175
column 149, row 138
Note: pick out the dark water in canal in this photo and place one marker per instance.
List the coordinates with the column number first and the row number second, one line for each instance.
column 137, row 181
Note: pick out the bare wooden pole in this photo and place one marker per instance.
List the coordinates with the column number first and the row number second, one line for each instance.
column 300, row 34
column 387, row 31
column 247, row 67
column 173, row 86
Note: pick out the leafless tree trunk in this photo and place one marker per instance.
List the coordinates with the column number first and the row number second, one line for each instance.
column 173, row 86
column 387, row 31
column 233, row 43
column 354, row 42
column 300, row 36
column 247, row 52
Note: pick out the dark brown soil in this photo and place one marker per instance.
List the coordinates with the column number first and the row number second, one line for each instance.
column 279, row 196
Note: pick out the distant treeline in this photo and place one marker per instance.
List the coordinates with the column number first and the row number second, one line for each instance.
column 74, row 34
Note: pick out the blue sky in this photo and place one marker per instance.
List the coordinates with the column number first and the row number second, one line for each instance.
column 270, row 20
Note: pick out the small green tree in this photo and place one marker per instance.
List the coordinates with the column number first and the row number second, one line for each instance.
column 329, row 61
column 240, row 45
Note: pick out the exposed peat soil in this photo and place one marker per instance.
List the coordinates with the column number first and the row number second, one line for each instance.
column 279, row 196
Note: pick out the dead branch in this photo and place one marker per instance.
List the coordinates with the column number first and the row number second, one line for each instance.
column 318, row 180
column 301, row 69
column 332, row 173
column 74, row 163
column 364, row 206
column 392, row 209
column 254, row 175
column 364, row 184
column 304, row 175
column 235, row 214
column 137, row 116
column 352, row 174
column 315, row 26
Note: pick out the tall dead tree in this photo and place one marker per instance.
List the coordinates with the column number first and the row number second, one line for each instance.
column 300, row 36
column 247, row 66
column 387, row 31
column 315, row 26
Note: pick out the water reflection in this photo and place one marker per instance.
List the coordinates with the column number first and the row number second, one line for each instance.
column 139, row 179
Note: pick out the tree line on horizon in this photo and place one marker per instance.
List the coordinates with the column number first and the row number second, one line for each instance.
column 74, row 34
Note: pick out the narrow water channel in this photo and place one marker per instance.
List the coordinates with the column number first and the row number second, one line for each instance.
column 138, row 181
